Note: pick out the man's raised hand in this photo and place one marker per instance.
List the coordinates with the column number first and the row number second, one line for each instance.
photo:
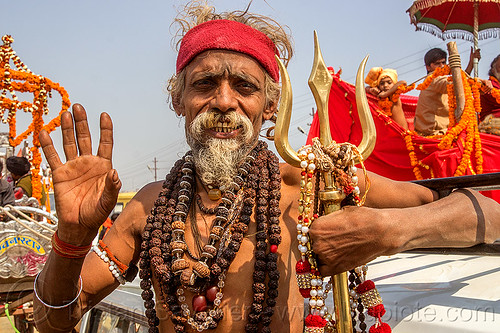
column 86, row 186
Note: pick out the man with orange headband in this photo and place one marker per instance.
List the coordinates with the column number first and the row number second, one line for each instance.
column 216, row 240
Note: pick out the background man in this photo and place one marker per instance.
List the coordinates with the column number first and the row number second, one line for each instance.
column 490, row 104
column 19, row 167
column 6, row 192
column 431, row 114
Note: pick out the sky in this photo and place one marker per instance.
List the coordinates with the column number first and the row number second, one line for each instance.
column 117, row 56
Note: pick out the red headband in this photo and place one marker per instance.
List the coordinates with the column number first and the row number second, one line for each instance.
column 228, row 35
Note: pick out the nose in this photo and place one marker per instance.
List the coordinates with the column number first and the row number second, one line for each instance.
column 224, row 99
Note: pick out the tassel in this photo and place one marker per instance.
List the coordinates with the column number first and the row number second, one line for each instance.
column 373, row 302
column 382, row 328
column 314, row 324
column 304, row 276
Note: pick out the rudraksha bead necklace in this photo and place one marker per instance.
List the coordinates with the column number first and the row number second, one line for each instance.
column 256, row 186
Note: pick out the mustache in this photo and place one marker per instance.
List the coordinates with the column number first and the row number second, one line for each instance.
column 220, row 122
column 215, row 120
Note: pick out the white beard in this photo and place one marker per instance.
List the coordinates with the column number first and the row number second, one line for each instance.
column 217, row 160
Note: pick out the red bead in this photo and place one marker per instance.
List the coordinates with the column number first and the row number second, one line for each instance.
column 303, row 173
column 306, row 293
column 212, row 293
column 300, row 217
column 273, row 248
column 199, row 303
column 315, row 216
column 306, row 220
column 310, row 175
column 302, row 267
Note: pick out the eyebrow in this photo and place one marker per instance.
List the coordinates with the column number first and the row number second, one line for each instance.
column 216, row 74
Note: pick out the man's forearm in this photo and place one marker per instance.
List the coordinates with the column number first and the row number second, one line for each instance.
column 464, row 218
column 58, row 285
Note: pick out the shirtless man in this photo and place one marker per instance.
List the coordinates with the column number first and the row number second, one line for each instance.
column 432, row 113
column 225, row 92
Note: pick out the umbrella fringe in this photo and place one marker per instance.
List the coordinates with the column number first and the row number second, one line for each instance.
column 422, row 4
column 458, row 34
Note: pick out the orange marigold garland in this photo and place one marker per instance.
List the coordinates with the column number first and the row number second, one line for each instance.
column 385, row 106
column 476, row 93
column 445, row 70
column 407, row 136
column 386, row 103
column 452, row 103
column 23, row 80
column 467, row 123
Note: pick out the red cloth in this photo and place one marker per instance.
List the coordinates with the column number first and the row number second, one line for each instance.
column 489, row 104
column 390, row 157
column 229, row 35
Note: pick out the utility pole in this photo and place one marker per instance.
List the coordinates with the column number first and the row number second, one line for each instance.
column 154, row 168
column 312, row 117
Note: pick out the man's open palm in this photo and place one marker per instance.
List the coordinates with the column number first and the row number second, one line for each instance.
column 85, row 187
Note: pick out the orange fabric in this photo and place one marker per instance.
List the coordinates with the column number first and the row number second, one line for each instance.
column 390, row 157
column 108, row 223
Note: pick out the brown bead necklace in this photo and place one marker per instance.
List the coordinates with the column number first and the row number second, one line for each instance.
column 163, row 244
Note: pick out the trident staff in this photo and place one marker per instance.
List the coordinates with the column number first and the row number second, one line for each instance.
column 330, row 196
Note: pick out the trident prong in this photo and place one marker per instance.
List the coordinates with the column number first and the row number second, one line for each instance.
column 320, row 82
column 283, row 119
column 367, row 144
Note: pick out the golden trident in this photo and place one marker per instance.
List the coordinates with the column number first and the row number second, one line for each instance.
column 320, row 82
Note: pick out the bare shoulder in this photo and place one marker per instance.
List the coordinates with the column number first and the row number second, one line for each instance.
column 135, row 213
column 125, row 234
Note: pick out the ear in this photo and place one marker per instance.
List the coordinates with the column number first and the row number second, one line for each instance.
column 178, row 108
column 270, row 110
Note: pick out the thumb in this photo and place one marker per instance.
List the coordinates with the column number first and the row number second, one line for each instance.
column 112, row 187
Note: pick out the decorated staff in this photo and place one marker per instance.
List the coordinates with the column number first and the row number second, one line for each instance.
column 335, row 165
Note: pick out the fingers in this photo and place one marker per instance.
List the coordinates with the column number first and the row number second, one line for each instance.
column 68, row 136
column 106, row 141
column 109, row 195
column 82, row 130
column 48, row 150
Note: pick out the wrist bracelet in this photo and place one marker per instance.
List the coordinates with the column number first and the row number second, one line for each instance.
column 57, row 306
column 68, row 250
column 113, row 267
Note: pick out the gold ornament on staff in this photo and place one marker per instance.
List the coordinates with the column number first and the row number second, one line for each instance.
column 330, row 196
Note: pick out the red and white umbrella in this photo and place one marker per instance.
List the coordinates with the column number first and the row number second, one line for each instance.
column 450, row 19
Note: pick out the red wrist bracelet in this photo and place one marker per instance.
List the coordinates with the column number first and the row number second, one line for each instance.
column 68, row 250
